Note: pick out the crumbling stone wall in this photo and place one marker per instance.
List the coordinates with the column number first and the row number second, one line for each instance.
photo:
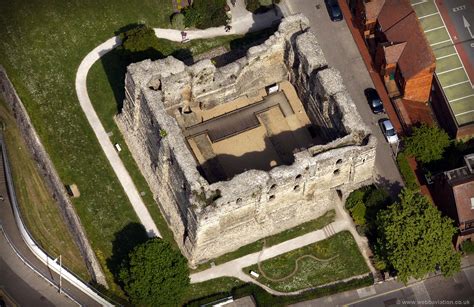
column 51, row 177
column 211, row 219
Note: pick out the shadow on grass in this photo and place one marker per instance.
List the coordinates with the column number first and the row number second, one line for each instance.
column 132, row 235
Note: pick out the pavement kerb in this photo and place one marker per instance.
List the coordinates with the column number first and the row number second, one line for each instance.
column 408, row 285
column 31, row 267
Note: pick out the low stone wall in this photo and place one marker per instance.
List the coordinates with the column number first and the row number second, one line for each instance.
column 50, row 176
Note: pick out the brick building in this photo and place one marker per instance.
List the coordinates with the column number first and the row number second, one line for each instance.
column 454, row 195
column 401, row 54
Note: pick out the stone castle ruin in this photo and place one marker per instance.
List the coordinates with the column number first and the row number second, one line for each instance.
column 237, row 153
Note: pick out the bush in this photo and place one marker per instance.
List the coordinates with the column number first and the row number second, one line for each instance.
column 406, row 172
column 252, row 5
column 358, row 213
column 140, row 43
column 206, row 14
column 177, row 21
column 354, row 198
column 467, row 247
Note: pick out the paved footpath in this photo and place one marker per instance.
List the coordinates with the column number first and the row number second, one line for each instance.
column 242, row 23
column 429, row 292
column 234, row 268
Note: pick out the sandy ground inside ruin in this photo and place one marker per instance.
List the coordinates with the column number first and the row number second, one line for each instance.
column 273, row 141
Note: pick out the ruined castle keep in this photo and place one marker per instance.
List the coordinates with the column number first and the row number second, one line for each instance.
column 237, row 153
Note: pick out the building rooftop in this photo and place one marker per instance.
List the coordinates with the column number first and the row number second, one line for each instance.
column 400, row 24
column 462, row 182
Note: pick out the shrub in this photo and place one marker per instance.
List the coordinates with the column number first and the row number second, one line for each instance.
column 467, row 247
column 406, row 172
column 358, row 213
column 177, row 21
column 140, row 43
column 206, row 14
column 252, row 5
column 354, row 198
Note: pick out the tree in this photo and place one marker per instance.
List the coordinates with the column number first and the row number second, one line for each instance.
column 427, row 143
column 415, row 239
column 155, row 275
column 141, row 43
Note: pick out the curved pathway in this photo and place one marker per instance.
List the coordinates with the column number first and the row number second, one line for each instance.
column 104, row 141
column 295, row 270
column 243, row 23
column 234, row 267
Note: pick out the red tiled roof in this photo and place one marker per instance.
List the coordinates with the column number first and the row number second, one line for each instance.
column 399, row 23
column 393, row 52
column 373, row 8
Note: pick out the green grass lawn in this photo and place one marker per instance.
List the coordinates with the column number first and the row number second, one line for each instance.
column 42, row 45
column 211, row 287
column 39, row 211
column 347, row 263
column 105, row 83
column 283, row 236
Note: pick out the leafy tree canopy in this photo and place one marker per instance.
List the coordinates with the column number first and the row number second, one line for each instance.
column 206, row 14
column 140, row 43
column 156, row 274
column 415, row 239
column 427, row 143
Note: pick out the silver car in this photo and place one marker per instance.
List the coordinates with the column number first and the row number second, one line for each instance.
column 389, row 131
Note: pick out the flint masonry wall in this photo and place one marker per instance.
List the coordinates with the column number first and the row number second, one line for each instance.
column 52, row 180
column 211, row 219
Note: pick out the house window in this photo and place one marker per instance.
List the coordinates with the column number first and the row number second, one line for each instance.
column 472, row 203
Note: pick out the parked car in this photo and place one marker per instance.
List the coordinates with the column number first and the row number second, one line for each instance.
column 374, row 100
column 334, row 10
column 389, row 131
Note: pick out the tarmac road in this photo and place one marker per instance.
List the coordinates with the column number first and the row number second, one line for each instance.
column 342, row 53
column 25, row 286
column 462, row 11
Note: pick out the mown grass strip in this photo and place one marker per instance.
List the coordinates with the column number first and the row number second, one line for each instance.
column 39, row 211
column 339, row 256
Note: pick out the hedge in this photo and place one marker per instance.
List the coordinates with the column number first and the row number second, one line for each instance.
column 407, row 173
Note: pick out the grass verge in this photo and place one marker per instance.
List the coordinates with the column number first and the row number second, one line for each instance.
column 39, row 211
column 283, row 236
column 347, row 261
column 263, row 298
column 42, row 45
